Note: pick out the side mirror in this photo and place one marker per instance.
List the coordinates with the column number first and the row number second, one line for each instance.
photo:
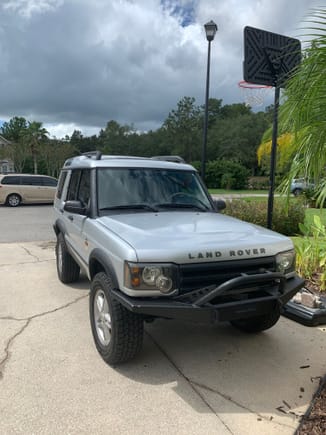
column 75, row 207
column 219, row 204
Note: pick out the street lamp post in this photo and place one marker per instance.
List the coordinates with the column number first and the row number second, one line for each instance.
column 210, row 29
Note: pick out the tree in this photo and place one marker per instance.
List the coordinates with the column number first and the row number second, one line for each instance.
column 237, row 135
column 114, row 138
column 17, row 150
column 303, row 112
column 34, row 135
column 12, row 130
column 214, row 110
column 183, row 130
column 285, row 150
column 53, row 154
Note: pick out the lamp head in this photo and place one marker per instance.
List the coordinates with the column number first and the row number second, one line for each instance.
column 210, row 29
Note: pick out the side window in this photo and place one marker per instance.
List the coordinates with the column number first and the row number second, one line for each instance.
column 47, row 181
column 73, row 185
column 61, row 183
column 11, row 180
column 79, row 186
column 32, row 181
column 84, row 187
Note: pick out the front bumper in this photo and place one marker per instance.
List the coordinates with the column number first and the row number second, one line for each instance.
column 253, row 295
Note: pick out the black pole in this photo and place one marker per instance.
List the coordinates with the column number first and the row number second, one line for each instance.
column 203, row 160
column 273, row 159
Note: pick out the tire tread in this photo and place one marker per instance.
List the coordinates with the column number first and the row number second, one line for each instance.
column 127, row 331
column 70, row 269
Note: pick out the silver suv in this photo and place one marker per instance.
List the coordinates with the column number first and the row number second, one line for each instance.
column 300, row 185
column 154, row 244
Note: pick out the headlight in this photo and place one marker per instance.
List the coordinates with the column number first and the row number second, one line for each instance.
column 141, row 276
column 285, row 262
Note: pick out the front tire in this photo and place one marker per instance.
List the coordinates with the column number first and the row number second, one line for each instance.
column 67, row 268
column 118, row 333
column 259, row 323
column 13, row 200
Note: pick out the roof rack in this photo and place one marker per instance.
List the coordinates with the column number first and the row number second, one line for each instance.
column 175, row 159
column 96, row 154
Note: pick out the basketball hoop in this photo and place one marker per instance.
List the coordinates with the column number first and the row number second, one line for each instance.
column 253, row 95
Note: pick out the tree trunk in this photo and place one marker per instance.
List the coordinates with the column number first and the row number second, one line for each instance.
column 35, row 164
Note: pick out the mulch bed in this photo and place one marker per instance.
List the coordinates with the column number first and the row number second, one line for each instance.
column 314, row 420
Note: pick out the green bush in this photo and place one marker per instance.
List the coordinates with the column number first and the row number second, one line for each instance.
column 226, row 174
column 286, row 219
column 311, row 252
column 258, row 183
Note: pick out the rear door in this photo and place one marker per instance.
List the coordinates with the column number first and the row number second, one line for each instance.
column 48, row 189
column 32, row 188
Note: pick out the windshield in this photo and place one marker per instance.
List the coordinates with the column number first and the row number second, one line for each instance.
column 150, row 189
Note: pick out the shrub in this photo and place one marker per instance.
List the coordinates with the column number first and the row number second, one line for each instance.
column 226, row 174
column 286, row 219
column 311, row 252
column 258, row 183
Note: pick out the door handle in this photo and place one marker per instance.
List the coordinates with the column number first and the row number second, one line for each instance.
column 71, row 218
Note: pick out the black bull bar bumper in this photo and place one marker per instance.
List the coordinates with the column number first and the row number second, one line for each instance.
column 202, row 305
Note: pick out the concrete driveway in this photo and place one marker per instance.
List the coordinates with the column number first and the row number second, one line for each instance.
column 187, row 380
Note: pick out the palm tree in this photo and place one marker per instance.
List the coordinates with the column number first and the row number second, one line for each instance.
column 304, row 110
column 34, row 135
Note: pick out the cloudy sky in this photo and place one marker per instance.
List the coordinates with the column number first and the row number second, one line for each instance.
column 76, row 64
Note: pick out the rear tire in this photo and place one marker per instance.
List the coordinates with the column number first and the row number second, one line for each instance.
column 67, row 268
column 117, row 332
column 13, row 200
column 259, row 323
column 297, row 192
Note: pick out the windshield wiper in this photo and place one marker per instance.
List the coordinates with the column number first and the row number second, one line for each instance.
column 180, row 205
column 130, row 207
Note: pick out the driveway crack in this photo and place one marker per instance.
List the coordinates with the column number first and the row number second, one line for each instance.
column 26, row 262
column 189, row 382
column 196, row 388
column 29, row 253
column 27, row 321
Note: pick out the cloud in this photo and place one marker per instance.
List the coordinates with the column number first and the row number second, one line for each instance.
column 27, row 8
column 83, row 63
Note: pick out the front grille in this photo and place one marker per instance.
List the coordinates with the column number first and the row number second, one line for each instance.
column 198, row 275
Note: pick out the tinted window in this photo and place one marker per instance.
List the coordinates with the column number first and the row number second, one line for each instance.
column 73, row 185
column 126, row 186
column 11, row 180
column 49, row 181
column 84, row 188
column 61, row 183
column 31, row 181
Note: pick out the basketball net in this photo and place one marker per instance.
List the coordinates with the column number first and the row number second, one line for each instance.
column 253, row 95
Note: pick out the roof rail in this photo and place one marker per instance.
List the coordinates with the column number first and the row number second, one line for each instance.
column 175, row 159
column 96, row 154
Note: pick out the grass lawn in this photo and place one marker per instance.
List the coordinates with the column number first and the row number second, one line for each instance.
column 237, row 192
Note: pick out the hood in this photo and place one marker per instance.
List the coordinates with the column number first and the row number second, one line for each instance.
column 188, row 237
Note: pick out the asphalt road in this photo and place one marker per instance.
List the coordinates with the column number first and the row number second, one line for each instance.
column 26, row 223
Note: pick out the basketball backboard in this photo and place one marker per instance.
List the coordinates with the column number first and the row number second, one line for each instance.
column 269, row 58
